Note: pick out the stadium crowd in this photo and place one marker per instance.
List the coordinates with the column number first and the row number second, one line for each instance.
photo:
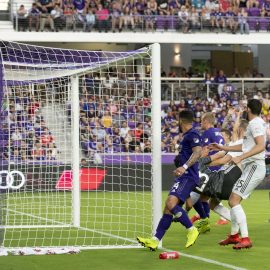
column 146, row 15
column 24, row 134
column 117, row 123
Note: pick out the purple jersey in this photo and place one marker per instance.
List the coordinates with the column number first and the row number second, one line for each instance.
column 212, row 135
column 190, row 139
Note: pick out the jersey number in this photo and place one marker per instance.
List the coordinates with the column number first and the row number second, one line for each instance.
column 205, row 178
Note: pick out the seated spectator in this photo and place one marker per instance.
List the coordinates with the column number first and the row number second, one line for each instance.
column 149, row 20
column 106, row 120
column 56, row 15
column 184, row 19
column 90, row 21
column 68, row 11
column 242, row 21
column 38, row 153
column 152, row 5
column 194, row 19
column 45, row 7
column 22, row 15
column 102, row 16
column 126, row 19
column 46, row 138
column 34, row 17
column 116, row 13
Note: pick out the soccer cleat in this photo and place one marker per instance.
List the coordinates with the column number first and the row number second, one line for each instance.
column 195, row 218
column 231, row 239
column 203, row 225
column 192, row 237
column 222, row 222
column 244, row 243
column 150, row 243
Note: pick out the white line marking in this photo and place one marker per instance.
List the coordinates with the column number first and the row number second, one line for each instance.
column 198, row 258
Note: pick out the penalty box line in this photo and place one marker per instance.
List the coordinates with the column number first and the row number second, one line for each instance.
column 198, row 258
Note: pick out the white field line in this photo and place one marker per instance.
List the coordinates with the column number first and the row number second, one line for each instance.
column 198, row 258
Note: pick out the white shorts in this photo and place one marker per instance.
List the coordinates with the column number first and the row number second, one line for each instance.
column 253, row 174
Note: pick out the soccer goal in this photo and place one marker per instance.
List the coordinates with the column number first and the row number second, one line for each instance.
column 80, row 143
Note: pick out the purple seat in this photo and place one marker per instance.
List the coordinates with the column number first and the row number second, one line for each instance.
column 161, row 22
column 172, row 22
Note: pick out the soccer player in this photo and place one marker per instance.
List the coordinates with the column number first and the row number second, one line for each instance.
column 210, row 135
column 253, row 162
column 187, row 178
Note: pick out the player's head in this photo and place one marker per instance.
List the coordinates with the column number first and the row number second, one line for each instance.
column 226, row 134
column 242, row 128
column 254, row 107
column 185, row 118
column 208, row 120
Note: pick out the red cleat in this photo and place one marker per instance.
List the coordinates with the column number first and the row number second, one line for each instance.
column 231, row 239
column 222, row 222
column 195, row 218
column 244, row 243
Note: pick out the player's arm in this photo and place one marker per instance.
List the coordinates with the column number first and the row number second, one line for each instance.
column 196, row 154
column 221, row 161
column 256, row 149
column 219, row 147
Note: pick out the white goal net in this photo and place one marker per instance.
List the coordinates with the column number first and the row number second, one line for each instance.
column 76, row 137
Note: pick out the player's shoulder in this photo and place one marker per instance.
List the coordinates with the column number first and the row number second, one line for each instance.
column 257, row 122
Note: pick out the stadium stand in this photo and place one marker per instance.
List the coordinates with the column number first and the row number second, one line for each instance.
column 142, row 15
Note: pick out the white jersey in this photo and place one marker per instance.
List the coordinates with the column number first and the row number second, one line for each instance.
column 255, row 128
column 235, row 154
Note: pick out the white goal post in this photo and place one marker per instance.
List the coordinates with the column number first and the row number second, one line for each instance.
column 80, row 139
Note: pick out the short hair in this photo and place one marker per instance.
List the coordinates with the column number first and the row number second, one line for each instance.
column 210, row 117
column 227, row 132
column 186, row 116
column 243, row 124
column 255, row 106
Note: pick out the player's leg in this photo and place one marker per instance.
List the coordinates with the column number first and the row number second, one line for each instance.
column 179, row 193
column 163, row 226
column 252, row 176
column 220, row 209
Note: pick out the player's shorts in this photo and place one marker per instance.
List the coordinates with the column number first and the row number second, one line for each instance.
column 182, row 188
column 253, row 174
column 230, row 178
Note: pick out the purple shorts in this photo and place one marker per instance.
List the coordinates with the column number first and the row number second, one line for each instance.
column 182, row 188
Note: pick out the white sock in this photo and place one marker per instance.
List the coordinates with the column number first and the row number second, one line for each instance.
column 234, row 224
column 223, row 211
column 241, row 219
column 194, row 197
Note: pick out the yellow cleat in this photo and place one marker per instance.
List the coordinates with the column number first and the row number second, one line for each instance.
column 203, row 225
column 150, row 243
column 192, row 237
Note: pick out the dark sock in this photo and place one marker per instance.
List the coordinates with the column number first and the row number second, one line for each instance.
column 163, row 225
column 206, row 208
column 198, row 206
column 182, row 216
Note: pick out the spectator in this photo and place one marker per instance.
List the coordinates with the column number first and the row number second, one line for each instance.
column 90, row 20
column 184, row 19
column 102, row 16
column 22, row 15
column 220, row 80
column 56, row 15
column 38, row 153
column 34, row 17
column 45, row 7
column 127, row 19
column 242, row 21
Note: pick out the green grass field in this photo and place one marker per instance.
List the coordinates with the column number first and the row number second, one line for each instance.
column 258, row 213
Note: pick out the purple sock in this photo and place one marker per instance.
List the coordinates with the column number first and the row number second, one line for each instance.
column 206, row 208
column 163, row 225
column 198, row 206
column 182, row 216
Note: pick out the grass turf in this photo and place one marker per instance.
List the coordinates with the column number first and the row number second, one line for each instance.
column 257, row 209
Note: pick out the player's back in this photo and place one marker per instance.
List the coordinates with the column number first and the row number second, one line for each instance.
column 256, row 127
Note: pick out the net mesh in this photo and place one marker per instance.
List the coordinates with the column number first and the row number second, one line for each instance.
column 37, row 131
